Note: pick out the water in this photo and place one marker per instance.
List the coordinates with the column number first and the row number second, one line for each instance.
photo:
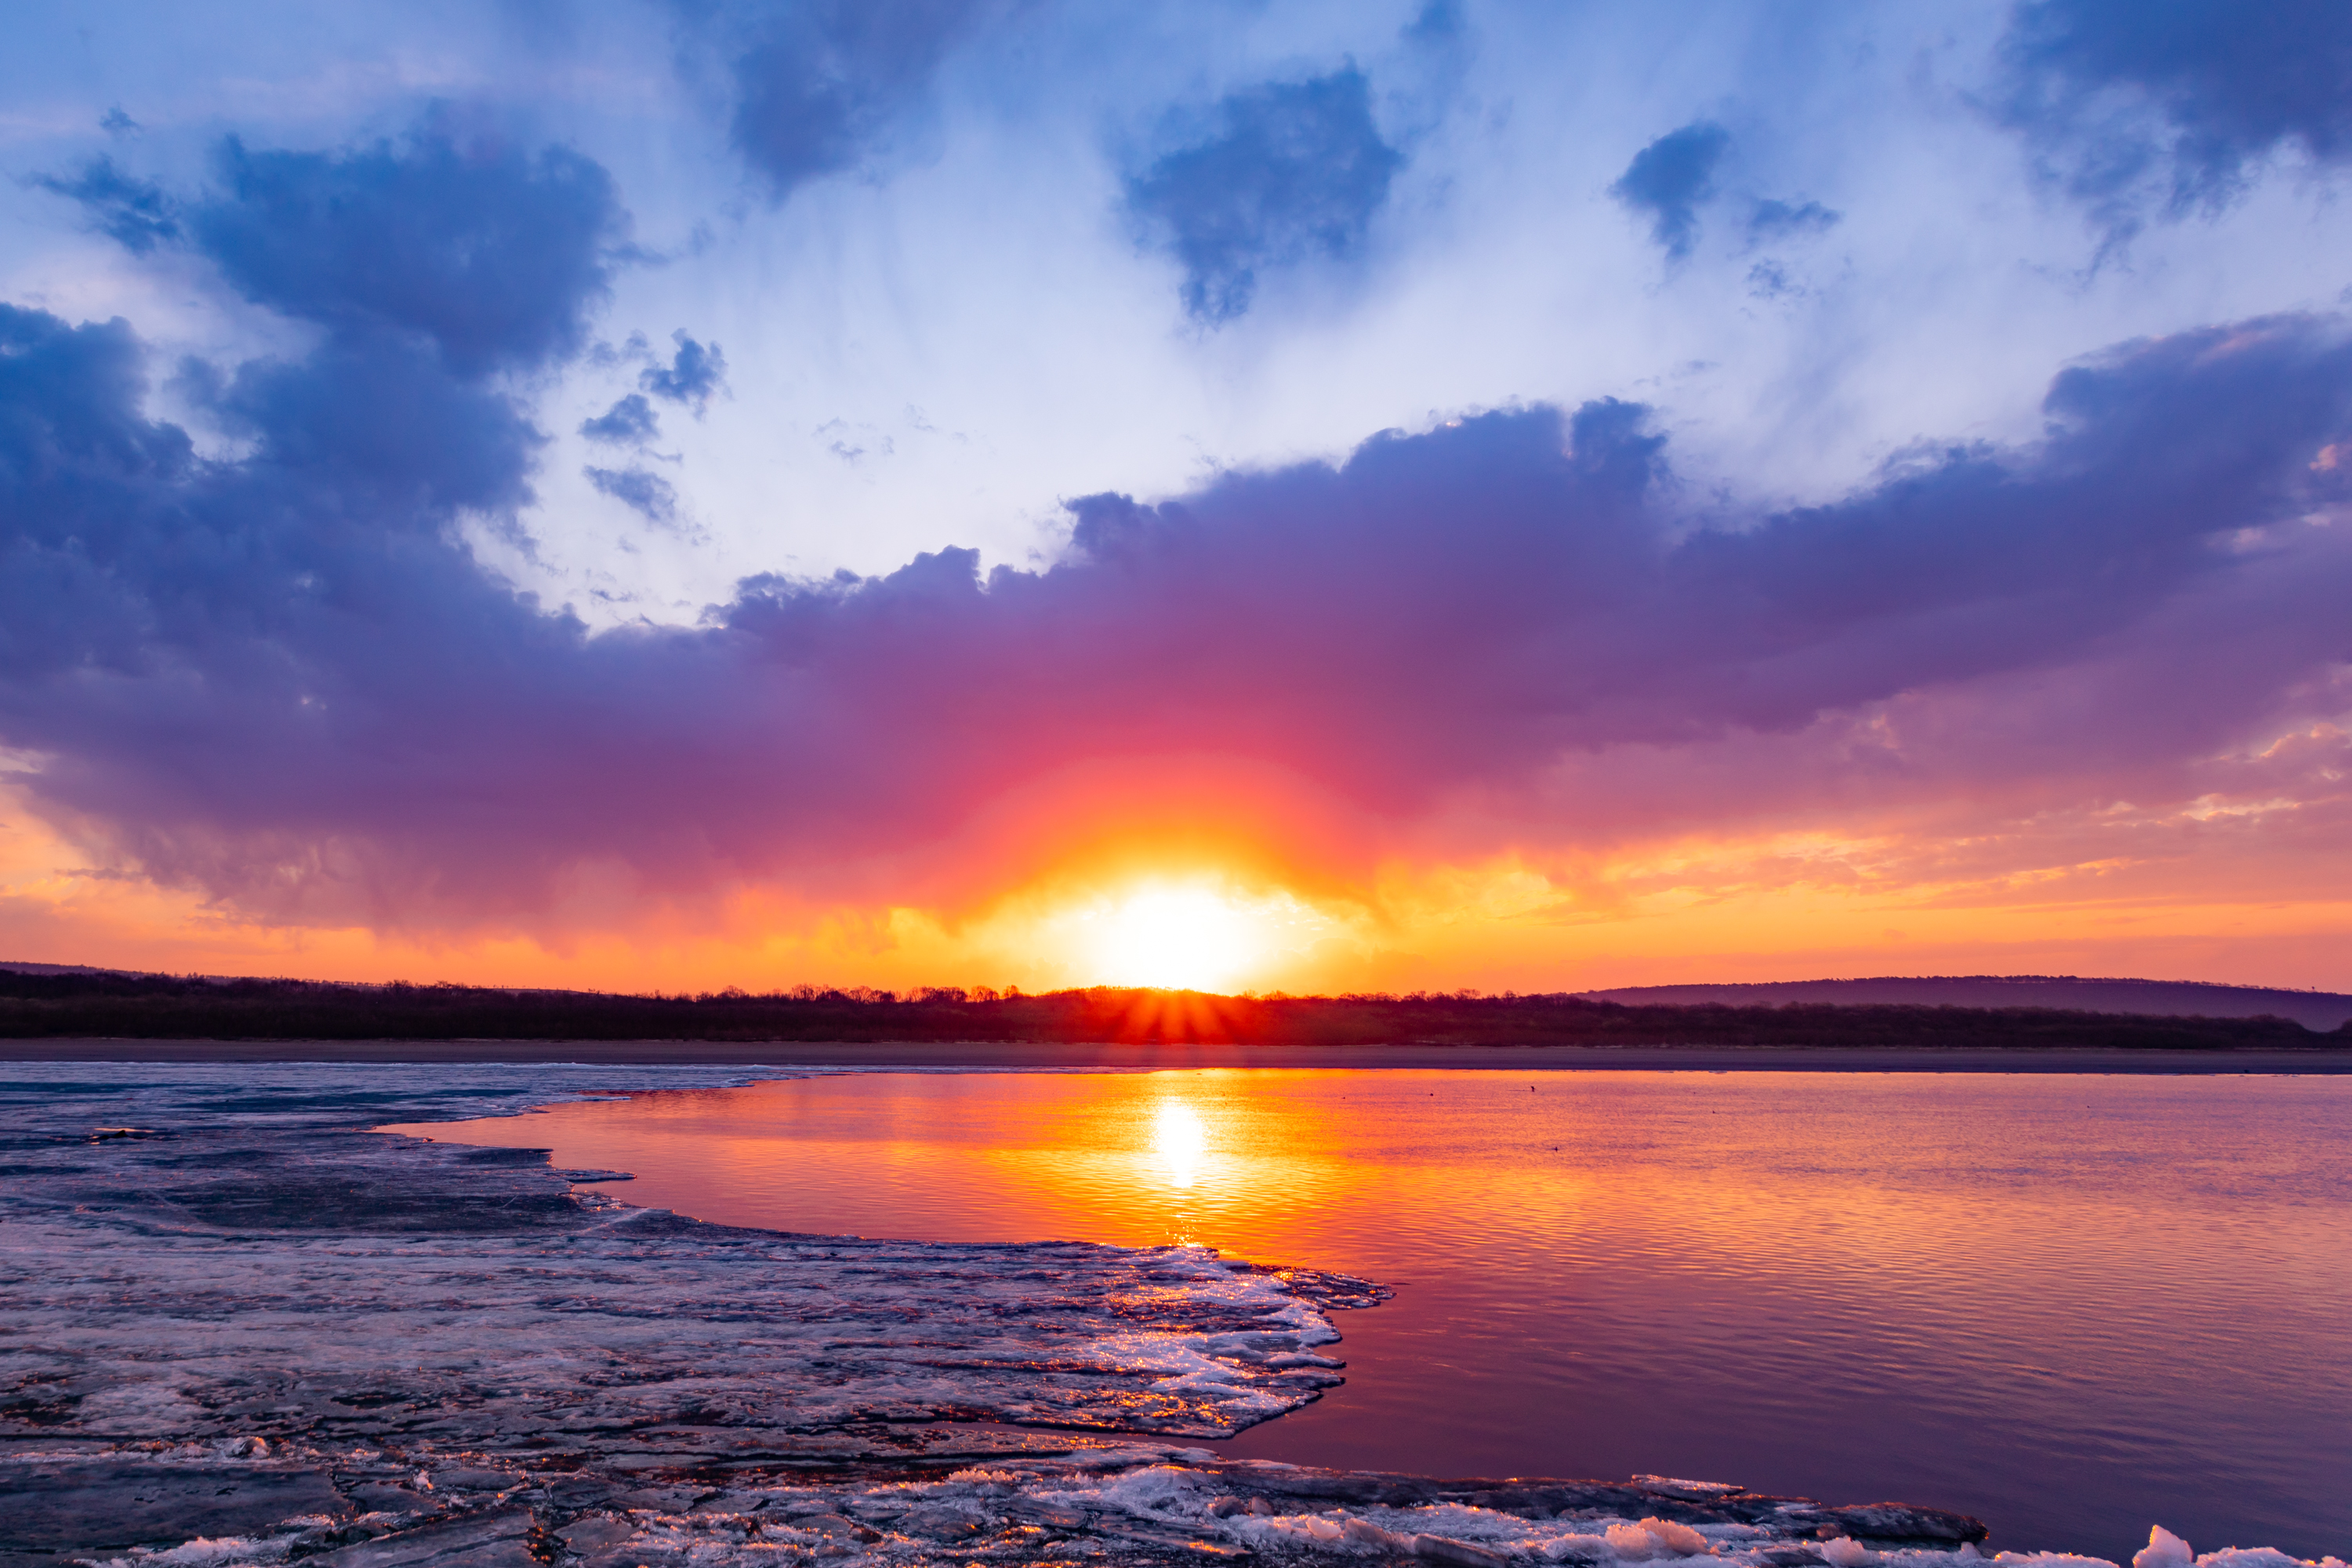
column 2073, row 1306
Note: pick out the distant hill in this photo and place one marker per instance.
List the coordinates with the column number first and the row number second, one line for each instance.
column 2321, row 1010
column 123, row 1006
column 18, row 967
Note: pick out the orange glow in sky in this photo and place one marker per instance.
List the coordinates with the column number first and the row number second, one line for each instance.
column 1182, row 938
column 2193, row 896
column 1288, row 588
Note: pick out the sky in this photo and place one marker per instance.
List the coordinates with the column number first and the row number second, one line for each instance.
column 1275, row 496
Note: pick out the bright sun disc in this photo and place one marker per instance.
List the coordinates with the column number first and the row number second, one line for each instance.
column 1174, row 938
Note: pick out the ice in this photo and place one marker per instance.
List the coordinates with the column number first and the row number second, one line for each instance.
column 1675, row 1487
column 203, row 1552
column 1675, row 1539
column 249, row 1268
column 2166, row 1550
column 1467, row 1523
column 1123, row 1503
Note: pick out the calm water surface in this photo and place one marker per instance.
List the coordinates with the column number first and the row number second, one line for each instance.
column 2073, row 1306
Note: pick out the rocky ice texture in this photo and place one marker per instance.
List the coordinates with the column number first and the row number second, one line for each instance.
column 376, row 1508
column 233, row 1503
column 238, row 1265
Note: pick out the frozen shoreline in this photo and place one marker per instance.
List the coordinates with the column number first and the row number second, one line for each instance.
column 231, row 1314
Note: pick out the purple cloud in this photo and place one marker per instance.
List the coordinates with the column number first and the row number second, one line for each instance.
column 630, row 422
column 133, row 213
column 2180, row 100
column 1669, row 179
column 647, row 494
column 693, row 373
column 816, row 86
column 494, row 257
column 280, row 679
column 1291, row 170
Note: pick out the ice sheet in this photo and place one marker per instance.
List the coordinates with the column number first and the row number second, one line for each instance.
column 190, row 1255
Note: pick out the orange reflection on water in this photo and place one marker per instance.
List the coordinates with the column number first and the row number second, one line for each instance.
column 1180, row 1143
column 1991, row 1292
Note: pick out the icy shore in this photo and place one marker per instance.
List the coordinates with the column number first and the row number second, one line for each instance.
column 239, row 1329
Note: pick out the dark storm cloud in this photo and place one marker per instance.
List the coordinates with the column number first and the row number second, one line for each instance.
column 2176, row 100
column 816, row 84
column 135, row 214
column 1286, row 171
column 1669, row 179
column 693, row 373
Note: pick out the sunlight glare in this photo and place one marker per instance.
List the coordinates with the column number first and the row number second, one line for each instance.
column 1179, row 1142
column 1174, row 938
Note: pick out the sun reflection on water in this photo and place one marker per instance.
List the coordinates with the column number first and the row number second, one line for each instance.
column 1179, row 1143
column 1791, row 1278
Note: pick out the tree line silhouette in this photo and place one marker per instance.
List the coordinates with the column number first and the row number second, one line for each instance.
column 34, row 1005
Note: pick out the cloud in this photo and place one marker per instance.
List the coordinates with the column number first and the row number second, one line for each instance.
column 2175, row 103
column 135, row 213
column 1673, row 177
column 1670, row 178
column 630, row 422
column 1775, row 220
column 381, row 427
column 691, row 376
column 492, row 255
column 281, row 679
column 1438, row 26
column 1771, row 281
column 817, row 85
column 1289, row 171
column 647, row 494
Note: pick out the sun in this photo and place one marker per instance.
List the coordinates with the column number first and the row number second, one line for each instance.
column 1178, row 939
